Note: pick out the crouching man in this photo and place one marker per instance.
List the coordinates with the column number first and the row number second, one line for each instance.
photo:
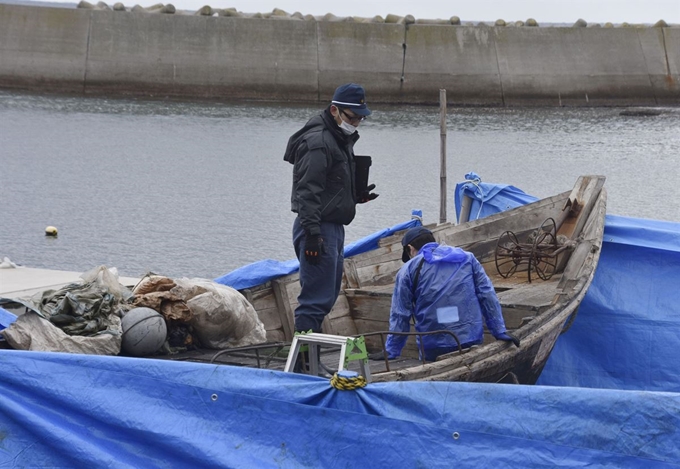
column 442, row 288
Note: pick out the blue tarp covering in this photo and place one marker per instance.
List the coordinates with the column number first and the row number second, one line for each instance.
column 61, row 410
column 260, row 272
column 487, row 199
column 627, row 333
column 6, row 318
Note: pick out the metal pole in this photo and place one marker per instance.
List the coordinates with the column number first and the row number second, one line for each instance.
column 442, row 156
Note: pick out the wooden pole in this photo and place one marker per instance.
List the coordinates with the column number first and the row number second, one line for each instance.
column 442, row 156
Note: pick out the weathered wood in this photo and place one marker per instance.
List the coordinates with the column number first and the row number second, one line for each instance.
column 285, row 310
column 271, row 318
column 536, row 296
column 516, row 317
column 343, row 325
column 350, row 277
column 372, row 305
column 442, row 156
column 340, row 308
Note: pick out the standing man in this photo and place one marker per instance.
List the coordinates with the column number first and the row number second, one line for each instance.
column 442, row 288
column 324, row 198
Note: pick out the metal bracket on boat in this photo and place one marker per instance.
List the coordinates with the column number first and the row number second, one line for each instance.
column 539, row 254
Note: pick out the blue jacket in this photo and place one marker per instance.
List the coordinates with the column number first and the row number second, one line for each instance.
column 453, row 293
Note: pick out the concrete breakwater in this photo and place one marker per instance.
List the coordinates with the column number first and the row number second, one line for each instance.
column 228, row 57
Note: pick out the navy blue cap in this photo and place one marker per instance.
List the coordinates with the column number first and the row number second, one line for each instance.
column 409, row 237
column 353, row 97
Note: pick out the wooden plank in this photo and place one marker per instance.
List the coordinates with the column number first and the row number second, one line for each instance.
column 271, row 318
column 370, row 305
column 516, row 317
column 284, row 308
column 264, row 300
column 381, row 273
column 350, row 277
column 581, row 202
column 343, row 325
column 535, row 296
column 340, row 309
column 592, row 236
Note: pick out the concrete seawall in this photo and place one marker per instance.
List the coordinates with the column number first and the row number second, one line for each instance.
column 125, row 53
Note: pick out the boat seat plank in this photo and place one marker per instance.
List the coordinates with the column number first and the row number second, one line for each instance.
column 535, row 296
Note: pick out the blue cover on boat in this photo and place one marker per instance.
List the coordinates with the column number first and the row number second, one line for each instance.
column 6, row 318
column 627, row 332
column 488, row 199
column 67, row 410
column 260, row 272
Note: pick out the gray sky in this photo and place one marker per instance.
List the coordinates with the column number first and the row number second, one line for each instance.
column 547, row 11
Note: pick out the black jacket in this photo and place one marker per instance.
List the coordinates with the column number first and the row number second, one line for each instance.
column 323, row 173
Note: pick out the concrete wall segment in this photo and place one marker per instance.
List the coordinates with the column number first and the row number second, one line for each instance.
column 459, row 59
column 43, row 47
column 369, row 54
column 203, row 56
column 668, row 86
column 662, row 65
column 573, row 66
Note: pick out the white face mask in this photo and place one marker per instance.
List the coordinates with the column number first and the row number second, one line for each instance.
column 346, row 127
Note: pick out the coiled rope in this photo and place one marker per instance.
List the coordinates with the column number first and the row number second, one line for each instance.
column 348, row 382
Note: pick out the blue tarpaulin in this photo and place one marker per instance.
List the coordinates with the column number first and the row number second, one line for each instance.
column 487, row 199
column 627, row 333
column 6, row 318
column 62, row 410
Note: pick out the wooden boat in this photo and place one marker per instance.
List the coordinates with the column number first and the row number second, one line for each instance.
column 541, row 258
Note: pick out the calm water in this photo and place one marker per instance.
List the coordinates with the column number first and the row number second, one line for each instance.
column 199, row 189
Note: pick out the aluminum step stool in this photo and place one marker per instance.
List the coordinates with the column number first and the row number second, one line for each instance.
column 315, row 341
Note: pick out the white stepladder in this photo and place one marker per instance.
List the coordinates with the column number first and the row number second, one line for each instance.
column 351, row 349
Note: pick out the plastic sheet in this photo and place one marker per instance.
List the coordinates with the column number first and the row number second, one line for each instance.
column 627, row 332
column 487, row 199
column 6, row 318
column 76, row 411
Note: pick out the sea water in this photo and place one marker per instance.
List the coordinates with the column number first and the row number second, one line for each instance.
column 197, row 189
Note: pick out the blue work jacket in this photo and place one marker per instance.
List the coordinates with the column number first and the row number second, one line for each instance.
column 453, row 293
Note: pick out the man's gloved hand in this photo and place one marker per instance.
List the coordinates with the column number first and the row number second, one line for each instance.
column 314, row 248
column 509, row 337
column 367, row 195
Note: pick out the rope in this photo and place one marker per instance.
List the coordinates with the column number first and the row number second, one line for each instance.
column 347, row 384
column 476, row 182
